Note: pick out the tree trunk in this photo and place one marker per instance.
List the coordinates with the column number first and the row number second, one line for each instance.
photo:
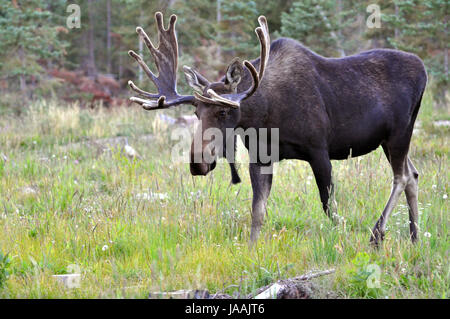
column 90, row 65
column 22, row 80
column 446, row 61
column 108, row 36
column 120, row 65
column 141, row 49
column 333, row 34
column 219, row 19
column 396, row 31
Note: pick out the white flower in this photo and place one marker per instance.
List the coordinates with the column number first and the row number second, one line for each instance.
column 427, row 234
column 445, row 196
column 434, row 186
column 105, row 247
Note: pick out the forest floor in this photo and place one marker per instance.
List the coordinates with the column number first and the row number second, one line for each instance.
column 72, row 200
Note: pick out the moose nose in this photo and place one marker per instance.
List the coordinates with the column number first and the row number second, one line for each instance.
column 201, row 168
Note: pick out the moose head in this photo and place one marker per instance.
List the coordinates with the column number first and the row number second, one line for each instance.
column 217, row 103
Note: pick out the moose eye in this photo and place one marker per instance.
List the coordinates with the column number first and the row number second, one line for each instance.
column 221, row 113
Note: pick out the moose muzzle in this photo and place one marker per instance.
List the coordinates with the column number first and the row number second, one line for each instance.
column 201, row 168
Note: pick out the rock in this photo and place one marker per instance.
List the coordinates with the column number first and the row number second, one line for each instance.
column 181, row 294
column 152, row 196
column 440, row 123
column 167, row 119
column 130, row 151
column 29, row 190
column 69, row 280
column 187, row 120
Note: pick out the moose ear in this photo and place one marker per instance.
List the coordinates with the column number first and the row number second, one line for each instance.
column 195, row 79
column 234, row 74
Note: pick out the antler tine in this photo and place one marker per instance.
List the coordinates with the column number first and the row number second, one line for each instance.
column 143, row 65
column 165, row 57
column 264, row 39
column 233, row 100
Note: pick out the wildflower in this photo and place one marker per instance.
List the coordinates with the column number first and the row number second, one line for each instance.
column 445, row 196
column 427, row 234
column 434, row 186
column 105, row 247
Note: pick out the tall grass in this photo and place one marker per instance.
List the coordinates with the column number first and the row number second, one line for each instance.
column 136, row 226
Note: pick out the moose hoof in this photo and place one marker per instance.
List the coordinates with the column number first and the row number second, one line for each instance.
column 414, row 238
column 376, row 238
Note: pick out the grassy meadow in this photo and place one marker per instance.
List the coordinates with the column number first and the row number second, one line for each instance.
column 69, row 195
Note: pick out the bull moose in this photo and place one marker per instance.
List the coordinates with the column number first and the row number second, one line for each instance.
column 325, row 109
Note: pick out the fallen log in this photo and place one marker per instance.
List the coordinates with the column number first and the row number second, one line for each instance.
column 292, row 288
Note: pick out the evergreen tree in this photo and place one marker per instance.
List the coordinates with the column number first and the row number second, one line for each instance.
column 29, row 35
column 313, row 23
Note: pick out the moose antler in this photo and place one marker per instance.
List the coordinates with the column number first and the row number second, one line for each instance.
column 234, row 100
column 264, row 39
column 166, row 61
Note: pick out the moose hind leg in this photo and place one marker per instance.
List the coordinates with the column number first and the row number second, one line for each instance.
column 261, row 184
column 399, row 168
column 411, row 192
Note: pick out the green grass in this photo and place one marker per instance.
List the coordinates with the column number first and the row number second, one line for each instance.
column 64, row 201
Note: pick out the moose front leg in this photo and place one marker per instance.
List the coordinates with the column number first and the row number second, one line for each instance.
column 321, row 167
column 261, row 184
